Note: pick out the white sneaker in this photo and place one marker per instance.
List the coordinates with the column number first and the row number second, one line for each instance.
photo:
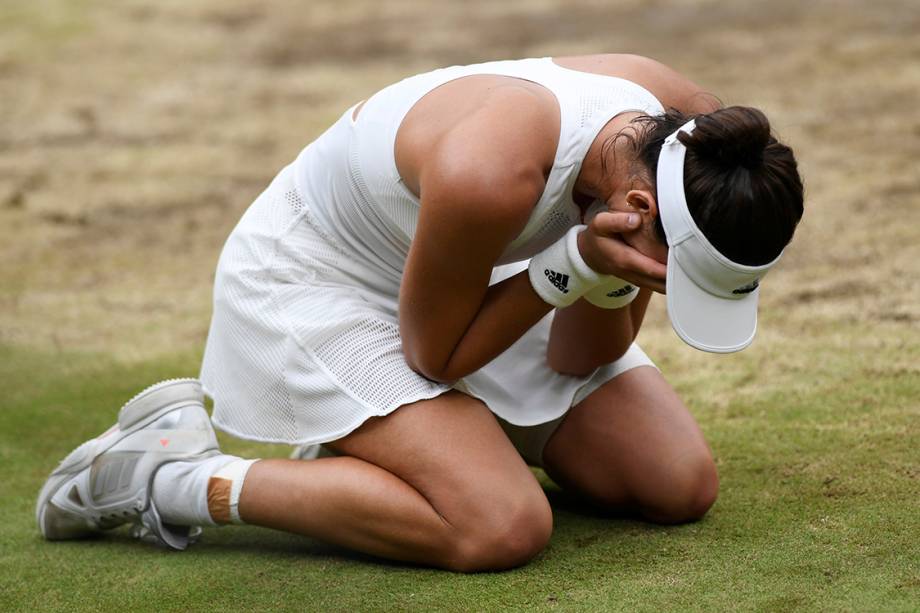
column 107, row 481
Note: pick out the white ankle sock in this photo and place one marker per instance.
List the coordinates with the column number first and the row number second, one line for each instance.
column 181, row 490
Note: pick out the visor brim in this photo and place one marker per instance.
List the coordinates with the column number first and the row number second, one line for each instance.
column 705, row 321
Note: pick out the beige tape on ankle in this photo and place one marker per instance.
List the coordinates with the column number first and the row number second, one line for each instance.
column 224, row 489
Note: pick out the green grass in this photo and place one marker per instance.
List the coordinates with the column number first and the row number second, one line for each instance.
column 819, row 510
column 119, row 114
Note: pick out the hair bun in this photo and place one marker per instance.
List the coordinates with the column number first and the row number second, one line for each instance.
column 731, row 137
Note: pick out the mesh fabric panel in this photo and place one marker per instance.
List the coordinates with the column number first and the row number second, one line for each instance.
column 295, row 354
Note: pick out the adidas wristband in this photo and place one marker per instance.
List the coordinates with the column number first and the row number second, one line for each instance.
column 615, row 293
column 559, row 275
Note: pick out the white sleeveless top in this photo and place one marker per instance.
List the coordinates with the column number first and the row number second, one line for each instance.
column 350, row 178
column 305, row 345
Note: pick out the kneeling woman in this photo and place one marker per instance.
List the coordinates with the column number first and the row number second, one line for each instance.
column 447, row 285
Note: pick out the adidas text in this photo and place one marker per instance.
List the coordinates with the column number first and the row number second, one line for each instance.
column 620, row 292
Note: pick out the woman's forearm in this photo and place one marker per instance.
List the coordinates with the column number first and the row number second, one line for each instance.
column 452, row 325
column 510, row 308
column 584, row 336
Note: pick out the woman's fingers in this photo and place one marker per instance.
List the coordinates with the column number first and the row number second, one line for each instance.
column 605, row 251
column 632, row 260
column 649, row 283
column 610, row 223
column 644, row 281
column 632, row 266
column 622, row 258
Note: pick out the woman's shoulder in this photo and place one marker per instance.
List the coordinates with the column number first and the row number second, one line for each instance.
column 495, row 136
column 670, row 87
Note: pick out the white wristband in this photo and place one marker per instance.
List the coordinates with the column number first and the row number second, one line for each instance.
column 615, row 293
column 559, row 275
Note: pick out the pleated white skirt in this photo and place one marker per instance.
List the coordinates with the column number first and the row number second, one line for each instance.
column 304, row 343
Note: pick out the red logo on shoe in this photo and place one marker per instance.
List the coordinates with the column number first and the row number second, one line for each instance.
column 164, row 441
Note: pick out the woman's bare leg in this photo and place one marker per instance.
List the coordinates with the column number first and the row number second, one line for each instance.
column 436, row 482
column 632, row 446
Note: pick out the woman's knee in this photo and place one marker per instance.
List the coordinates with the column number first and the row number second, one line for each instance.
column 509, row 533
column 684, row 492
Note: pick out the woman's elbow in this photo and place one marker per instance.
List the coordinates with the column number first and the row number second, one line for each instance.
column 586, row 363
column 438, row 376
column 431, row 370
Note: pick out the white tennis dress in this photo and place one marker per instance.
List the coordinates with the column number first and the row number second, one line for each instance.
column 304, row 344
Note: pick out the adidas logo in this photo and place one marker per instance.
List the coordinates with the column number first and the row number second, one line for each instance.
column 559, row 280
column 747, row 289
column 620, row 292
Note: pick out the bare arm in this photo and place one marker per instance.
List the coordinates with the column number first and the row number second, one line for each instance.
column 584, row 336
column 478, row 186
column 453, row 324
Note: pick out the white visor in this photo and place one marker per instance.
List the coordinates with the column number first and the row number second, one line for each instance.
column 712, row 301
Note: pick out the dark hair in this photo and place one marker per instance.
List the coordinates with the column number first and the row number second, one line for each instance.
column 742, row 186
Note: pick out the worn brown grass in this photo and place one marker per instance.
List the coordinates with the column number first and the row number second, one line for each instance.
column 134, row 134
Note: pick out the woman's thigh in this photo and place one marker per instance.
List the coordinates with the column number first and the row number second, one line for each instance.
column 633, row 446
column 452, row 451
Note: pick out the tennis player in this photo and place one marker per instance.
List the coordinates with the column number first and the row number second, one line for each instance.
column 446, row 286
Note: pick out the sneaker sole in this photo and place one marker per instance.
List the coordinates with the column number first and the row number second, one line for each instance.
column 145, row 407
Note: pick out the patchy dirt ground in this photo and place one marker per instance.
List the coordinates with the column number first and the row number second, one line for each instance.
column 133, row 135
